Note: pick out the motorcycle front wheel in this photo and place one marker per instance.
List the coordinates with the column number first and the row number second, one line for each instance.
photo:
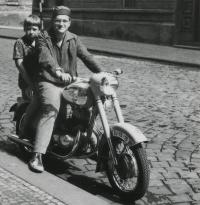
column 130, row 177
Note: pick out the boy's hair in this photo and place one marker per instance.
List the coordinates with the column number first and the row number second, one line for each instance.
column 32, row 20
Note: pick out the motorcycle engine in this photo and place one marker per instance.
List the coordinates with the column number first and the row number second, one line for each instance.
column 72, row 116
column 64, row 141
column 74, row 143
column 82, row 114
column 70, row 127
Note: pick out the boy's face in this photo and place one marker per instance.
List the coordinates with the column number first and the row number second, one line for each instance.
column 32, row 32
column 61, row 23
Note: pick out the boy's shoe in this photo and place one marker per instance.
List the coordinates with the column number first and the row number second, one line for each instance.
column 35, row 164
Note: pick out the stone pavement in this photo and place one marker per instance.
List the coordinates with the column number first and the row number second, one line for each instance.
column 16, row 191
column 162, row 100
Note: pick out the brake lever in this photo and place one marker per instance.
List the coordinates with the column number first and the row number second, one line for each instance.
column 118, row 72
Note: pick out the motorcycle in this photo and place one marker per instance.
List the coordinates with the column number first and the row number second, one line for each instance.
column 82, row 130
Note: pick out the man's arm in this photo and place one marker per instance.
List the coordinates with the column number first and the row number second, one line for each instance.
column 87, row 57
column 46, row 59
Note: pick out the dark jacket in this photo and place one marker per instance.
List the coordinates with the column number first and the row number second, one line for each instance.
column 23, row 49
column 71, row 49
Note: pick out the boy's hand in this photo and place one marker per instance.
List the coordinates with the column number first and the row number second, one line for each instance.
column 29, row 92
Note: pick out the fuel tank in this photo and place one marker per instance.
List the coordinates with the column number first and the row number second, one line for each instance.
column 78, row 93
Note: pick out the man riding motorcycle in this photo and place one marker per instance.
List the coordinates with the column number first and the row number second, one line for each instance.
column 58, row 50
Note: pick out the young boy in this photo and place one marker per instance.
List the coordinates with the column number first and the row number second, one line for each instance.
column 24, row 55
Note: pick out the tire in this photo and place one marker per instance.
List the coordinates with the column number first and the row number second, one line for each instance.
column 117, row 175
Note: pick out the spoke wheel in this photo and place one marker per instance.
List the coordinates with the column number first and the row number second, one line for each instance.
column 26, row 151
column 130, row 177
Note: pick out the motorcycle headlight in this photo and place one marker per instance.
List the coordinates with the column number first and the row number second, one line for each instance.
column 111, row 81
column 103, row 84
column 109, row 85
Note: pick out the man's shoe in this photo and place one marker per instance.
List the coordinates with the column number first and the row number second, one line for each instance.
column 35, row 164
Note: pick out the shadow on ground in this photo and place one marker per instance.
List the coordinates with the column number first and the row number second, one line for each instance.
column 12, row 149
column 74, row 175
column 68, row 172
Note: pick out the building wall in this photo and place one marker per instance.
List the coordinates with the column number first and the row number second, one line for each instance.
column 138, row 4
column 16, row 2
column 149, row 21
column 155, row 4
column 188, row 22
column 25, row 2
column 13, row 12
column 114, row 4
column 93, row 3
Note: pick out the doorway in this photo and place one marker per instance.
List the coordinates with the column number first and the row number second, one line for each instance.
column 188, row 22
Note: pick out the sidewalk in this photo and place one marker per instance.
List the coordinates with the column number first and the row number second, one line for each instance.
column 166, row 54
column 20, row 186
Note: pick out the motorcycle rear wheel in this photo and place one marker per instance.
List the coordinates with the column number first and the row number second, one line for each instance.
column 130, row 178
column 26, row 151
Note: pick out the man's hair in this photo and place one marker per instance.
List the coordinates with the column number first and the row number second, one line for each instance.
column 32, row 20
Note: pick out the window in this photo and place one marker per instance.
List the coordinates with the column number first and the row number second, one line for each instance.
column 129, row 4
column 59, row 2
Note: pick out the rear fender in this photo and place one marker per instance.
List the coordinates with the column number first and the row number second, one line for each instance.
column 18, row 109
column 13, row 108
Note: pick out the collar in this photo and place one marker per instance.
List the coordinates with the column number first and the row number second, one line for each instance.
column 68, row 35
column 27, row 41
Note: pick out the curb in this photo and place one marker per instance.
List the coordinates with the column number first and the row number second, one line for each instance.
column 164, row 61
column 118, row 53
column 53, row 185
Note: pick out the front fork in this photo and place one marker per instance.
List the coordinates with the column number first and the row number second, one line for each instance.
column 105, row 124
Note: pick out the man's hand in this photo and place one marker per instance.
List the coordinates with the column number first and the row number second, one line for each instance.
column 65, row 77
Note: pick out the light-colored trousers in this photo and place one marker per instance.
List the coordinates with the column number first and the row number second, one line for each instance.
column 44, row 107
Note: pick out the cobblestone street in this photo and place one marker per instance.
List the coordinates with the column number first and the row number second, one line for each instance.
column 162, row 100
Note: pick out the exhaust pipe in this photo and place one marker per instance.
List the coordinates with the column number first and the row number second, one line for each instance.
column 15, row 138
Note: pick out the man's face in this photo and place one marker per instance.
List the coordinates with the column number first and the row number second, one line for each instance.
column 61, row 23
column 32, row 32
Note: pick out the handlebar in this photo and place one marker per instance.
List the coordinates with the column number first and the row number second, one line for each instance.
column 116, row 72
column 79, row 79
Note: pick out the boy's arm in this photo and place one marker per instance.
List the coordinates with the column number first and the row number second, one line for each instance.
column 20, row 67
column 18, row 55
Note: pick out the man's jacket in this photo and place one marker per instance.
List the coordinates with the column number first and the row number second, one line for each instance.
column 71, row 49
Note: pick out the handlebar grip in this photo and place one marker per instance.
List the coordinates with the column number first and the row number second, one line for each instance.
column 118, row 71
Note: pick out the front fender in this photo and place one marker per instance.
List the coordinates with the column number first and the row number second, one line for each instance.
column 129, row 133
